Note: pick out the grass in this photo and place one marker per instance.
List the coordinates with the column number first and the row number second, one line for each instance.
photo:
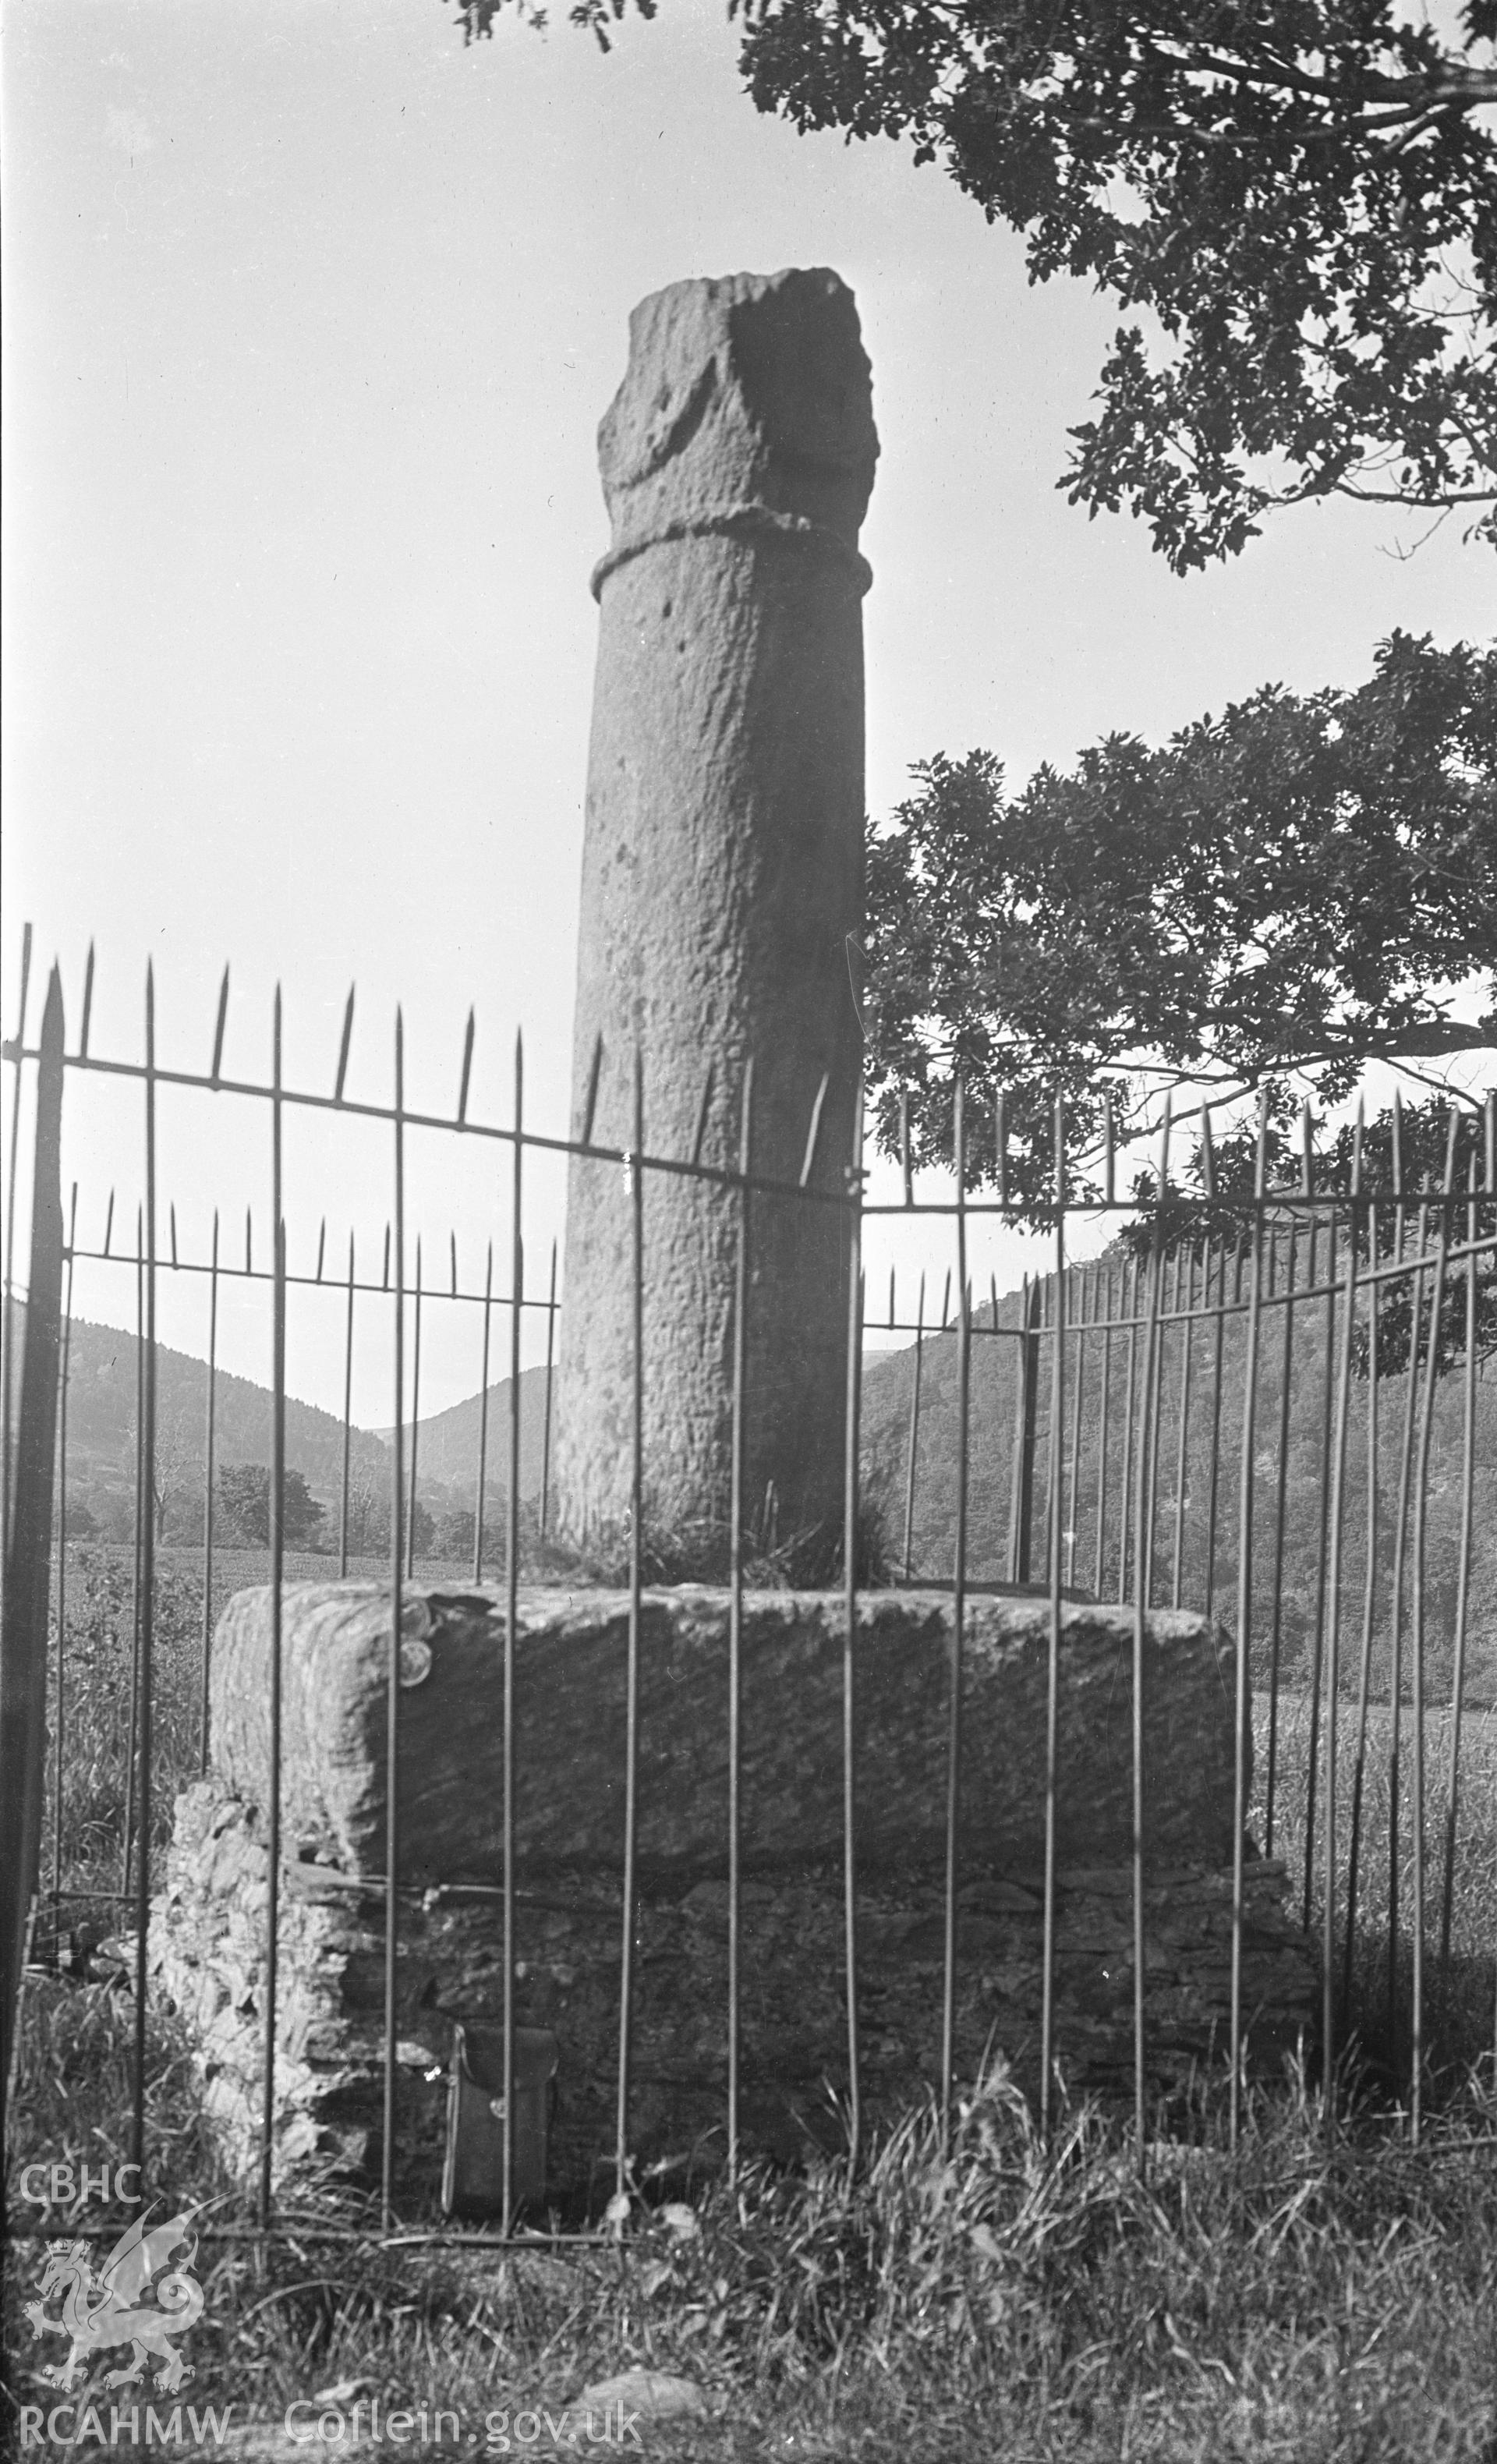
column 1460, row 1994
column 1283, row 2300
column 1286, row 2299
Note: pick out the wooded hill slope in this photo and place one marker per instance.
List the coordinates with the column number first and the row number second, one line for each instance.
column 887, row 1393
column 101, row 1407
column 102, row 1425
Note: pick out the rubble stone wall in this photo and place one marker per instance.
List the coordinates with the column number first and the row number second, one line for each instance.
column 209, row 1948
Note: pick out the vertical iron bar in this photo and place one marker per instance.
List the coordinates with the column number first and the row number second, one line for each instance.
column 278, row 1539
column 1073, row 1483
column 1148, row 1532
column 545, row 1426
column 849, row 1569
column 23, row 1637
column 1327, row 1429
column 343, row 1042
column 813, row 1135
column 1183, row 1450
column 1016, row 1464
column 59, row 1732
column 914, row 1429
column 9, row 1240
column 1463, row 1568
column 1103, row 1420
column 636, row 1585
column 1327, row 1970
column 1053, row 1694
column 1214, row 1487
column 1052, row 1503
column 1281, row 1513
column 1028, row 1410
column 483, row 1422
column 220, row 1023
column 464, row 1080
column 415, row 1421
column 740, row 1299
column 1242, row 1699
column 1141, row 1642
column 1420, row 1526
column 1395, row 1654
column 512, row 1614
column 1369, row 1608
column 1154, row 1418
column 958, row 1620
column 392, row 1665
column 1126, row 1482
column 134, row 1578
column 348, row 1409
column 1312, row 1770
column 88, row 1003
column 142, row 1897
column 210, row 1435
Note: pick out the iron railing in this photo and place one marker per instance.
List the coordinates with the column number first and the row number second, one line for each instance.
column 1189, row 1316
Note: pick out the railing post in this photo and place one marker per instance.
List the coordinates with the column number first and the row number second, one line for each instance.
column 850, row 1576
column 23, row 1657
column 1022, row 1541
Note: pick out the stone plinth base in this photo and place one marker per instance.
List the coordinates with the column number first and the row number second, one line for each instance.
column 208, row 1943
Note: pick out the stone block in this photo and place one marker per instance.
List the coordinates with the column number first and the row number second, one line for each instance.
column 569, row 1747
column 208, row 1933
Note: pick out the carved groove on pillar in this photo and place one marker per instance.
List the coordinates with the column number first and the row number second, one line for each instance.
column 741, row 521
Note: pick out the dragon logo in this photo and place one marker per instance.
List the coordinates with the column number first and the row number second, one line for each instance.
column 129, row 2301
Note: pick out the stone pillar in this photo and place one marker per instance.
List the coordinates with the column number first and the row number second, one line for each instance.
column 723, row 894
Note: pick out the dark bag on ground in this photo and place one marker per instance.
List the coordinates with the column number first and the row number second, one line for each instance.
column 472, row 2175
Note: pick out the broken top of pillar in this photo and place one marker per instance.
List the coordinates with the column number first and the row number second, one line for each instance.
column 746, row 406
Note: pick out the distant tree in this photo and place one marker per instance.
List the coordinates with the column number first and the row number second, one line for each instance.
column 369, row 1522
column 369, row 1517
column 175, row 1456
column 182, row 1525
column 244, row 1491
column 459, row 1532
column 1412, row 1148
column 1293, row 202
column 1272, row 900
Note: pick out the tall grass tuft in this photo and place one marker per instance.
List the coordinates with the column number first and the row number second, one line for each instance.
column 971, row 2297
column 1461, row 1992
column 98, row 1702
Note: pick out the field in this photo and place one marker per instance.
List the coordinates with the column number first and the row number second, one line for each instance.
column 1293, row 2298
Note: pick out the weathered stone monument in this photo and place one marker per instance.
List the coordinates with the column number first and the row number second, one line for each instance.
column 722, row 895
column 209, row 1931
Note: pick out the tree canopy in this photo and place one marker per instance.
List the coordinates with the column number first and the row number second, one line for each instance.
column 1272, row 900
column 244, row 1491
column 1293, row 202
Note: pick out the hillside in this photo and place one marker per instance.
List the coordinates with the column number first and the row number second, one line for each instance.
column 102, row 1476
column 101, row 1409
column 101, row 1412
column 887, row 1390
column 447, row 1449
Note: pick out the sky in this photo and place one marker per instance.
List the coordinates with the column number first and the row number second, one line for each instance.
column 311, row 315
